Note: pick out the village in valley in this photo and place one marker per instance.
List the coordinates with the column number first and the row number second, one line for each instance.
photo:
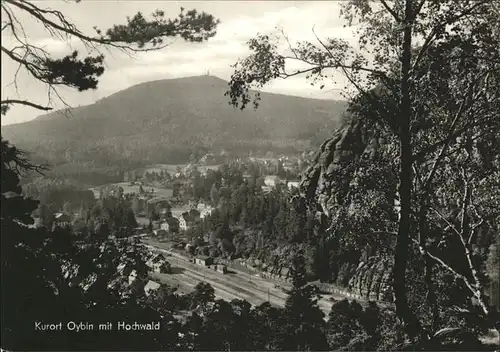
column 172, row 205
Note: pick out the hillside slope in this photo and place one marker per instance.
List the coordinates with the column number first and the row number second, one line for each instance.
column 164, row 121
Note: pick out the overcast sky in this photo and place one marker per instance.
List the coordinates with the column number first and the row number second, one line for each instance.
column 240, row 21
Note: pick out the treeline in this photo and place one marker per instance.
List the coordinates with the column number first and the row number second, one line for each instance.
column 111, row 214
column 214, row 185
column 60, row 195
column 273, row 227
column 107, row 161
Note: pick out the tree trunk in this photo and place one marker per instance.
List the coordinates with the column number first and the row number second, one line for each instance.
column 429, row 264
column 405, row 183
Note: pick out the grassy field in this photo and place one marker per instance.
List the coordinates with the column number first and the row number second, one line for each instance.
column 127, row 188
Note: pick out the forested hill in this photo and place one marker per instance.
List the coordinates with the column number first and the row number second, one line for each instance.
column 164, row 121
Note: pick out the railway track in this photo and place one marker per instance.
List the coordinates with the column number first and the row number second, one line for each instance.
column 236, row 285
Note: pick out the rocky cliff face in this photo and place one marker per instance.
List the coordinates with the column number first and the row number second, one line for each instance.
column 372, row 279
column 327, row 181
column 347, row 187
column 275, row 261
column 330, row 164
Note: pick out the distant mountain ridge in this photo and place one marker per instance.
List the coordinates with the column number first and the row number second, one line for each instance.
column 164, row 121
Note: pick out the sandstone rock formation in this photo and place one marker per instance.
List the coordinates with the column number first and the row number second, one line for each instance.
column 331, row 186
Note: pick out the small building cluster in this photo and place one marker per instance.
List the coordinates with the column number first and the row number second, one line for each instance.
column 204, row 260
column 209, row 262
column 62, row 219
column 205, row 210
column 271, row 182
column 221, row 268
column 170, row 224
column 158, row 264
column 188, row 219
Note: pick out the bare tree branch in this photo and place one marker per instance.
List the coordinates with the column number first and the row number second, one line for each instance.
column 391, row 11
column 448, row 139
column 25, row 102
column 18, row 160
column 419, row 8
column 447, row 221
column 346, row 74
column 468, row 123
column 455, row 273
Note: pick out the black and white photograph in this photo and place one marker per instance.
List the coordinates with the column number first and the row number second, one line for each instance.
column 250, row 175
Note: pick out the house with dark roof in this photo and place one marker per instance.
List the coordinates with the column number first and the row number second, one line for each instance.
column 62, row 219
column 204, row 260
column 160, row 203
column 221, row 268
column 158, row 264
column 189, row 219
column 170, row 224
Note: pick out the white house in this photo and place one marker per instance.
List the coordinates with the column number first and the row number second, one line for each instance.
column 221, row 268
column 206, row 212
column 158, row 264
column 266, row 189
column 183, row 224
column 271, row 181
column 292, row 184
column 204, row 260
column 170, row 224
column 150, row 287
column 132, row 277
column 188, row 219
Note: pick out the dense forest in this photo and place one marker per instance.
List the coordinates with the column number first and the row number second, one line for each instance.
column 174, row 120
column 271, row 228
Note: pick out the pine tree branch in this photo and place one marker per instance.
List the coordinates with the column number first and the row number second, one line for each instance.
column 182, row 27
column 25, row 102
